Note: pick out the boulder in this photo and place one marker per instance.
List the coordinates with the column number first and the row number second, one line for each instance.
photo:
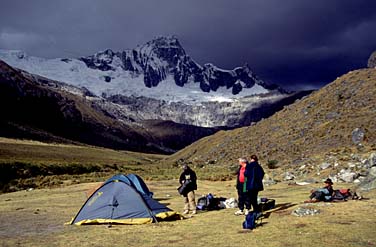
column 372, row 159
column 288, row 176
column 372, row 60
column 357, row 136
column 368, row 184
column 347, row 176
column 324, row 166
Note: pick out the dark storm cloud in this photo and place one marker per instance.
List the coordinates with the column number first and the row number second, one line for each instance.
column 291, row 42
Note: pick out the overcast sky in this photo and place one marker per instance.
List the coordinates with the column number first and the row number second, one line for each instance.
column 294, row 43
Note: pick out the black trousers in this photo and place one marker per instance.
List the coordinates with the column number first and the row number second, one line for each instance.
column 248, row 199
column 243, row 200
column 253, row 200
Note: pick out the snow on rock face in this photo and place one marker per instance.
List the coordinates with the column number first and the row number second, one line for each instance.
column 158, row 69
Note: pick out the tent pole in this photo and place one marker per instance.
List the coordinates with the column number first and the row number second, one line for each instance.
column 112, row 214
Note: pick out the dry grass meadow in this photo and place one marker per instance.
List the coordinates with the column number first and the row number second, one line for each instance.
column 37, row 217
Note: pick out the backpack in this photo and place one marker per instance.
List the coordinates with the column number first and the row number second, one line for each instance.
column 205, row 202
column 266, row 204
column 250, row 221
column 209, row 202
column 341, row 195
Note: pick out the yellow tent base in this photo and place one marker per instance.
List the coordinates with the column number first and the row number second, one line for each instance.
column 136, row 221
column 170, row 215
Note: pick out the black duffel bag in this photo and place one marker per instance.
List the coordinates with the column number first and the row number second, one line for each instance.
column 183, row 188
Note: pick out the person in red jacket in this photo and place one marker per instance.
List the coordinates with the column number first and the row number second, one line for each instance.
column 243, row 198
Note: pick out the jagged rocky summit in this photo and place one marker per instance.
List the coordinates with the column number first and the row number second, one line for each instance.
column 164, row 56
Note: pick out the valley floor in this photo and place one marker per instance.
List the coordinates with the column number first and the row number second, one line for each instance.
column 37, row 217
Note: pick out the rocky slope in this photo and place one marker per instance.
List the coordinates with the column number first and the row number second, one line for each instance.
column 241, row 112
column 158, row 80
column 335, row 125
column 35, row 107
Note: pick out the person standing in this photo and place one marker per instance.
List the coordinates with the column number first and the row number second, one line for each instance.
column 243, row 198
column 188, row 178
column 254, row 174
column 249, row 183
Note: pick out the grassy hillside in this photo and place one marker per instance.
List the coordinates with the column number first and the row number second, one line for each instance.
column 30, row 164
column 304, row 133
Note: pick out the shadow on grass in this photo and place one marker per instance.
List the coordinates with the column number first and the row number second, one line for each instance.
column 282, row 206
column 261, row 224
column 278, row 209
column 161, row 198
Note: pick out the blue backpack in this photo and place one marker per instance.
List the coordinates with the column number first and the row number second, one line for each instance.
column 205, row 202
column 250, row 221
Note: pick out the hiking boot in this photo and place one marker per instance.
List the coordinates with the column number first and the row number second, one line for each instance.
column 246, row 212
column 186, row 211
column 239, row 212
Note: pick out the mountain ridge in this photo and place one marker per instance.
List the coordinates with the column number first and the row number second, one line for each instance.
column 158, row 80
column 324, row 124
column 48, row 110
column 164, row 55
column 161, row 64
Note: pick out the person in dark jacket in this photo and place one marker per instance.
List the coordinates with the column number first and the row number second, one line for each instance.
column 188, row 179
column 255, row 174
column 249, row 183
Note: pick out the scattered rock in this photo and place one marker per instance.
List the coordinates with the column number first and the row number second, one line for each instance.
column 268, row 180
column 288, row 176
column 347, row 176
column 324, row 166
column 357, row 181
column 368, row 184
column 302, row 183
column 372, row 159
column 372, row 171
column 357, row 136
column 305, row 211
column 351, row 165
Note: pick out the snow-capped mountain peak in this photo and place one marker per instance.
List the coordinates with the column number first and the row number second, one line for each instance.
column 159, row 69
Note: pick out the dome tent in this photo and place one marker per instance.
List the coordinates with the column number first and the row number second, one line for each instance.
column 134, row 180
column 118, row 201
